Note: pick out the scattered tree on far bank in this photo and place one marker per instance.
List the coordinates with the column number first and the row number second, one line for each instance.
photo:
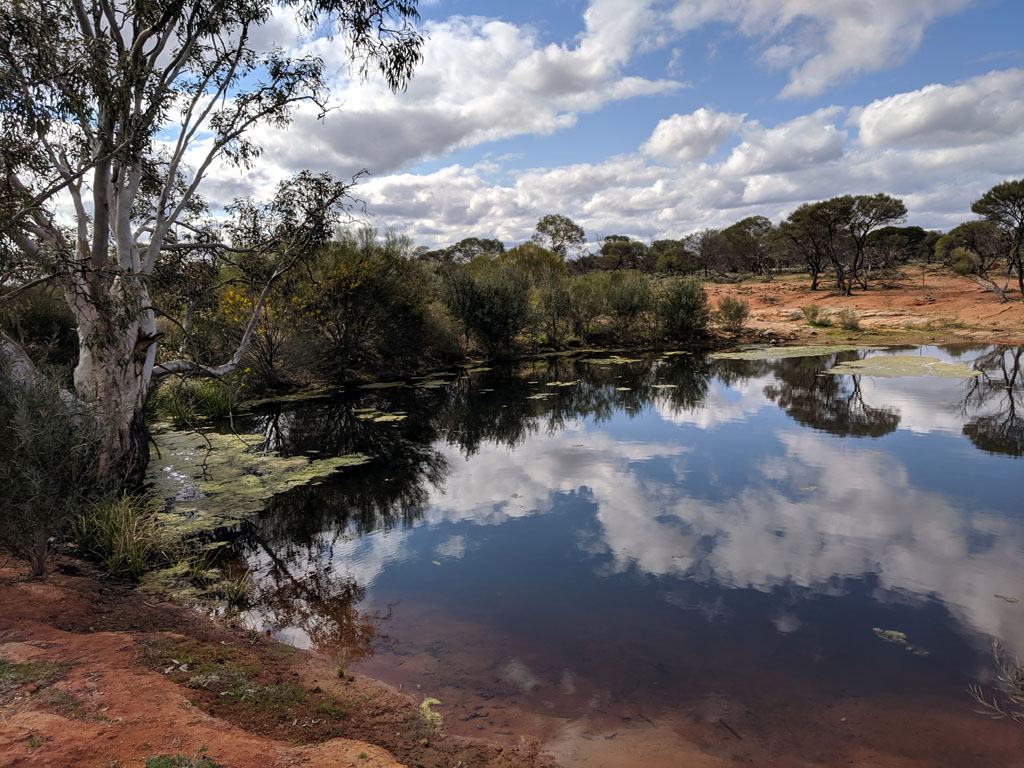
column 671, row 257
column 868, row 213
column 838, row 229
column 559, row 234
column 619, row 252
column 975, row 249
column 747, row 242
column 708, row 248
column 1003, row 205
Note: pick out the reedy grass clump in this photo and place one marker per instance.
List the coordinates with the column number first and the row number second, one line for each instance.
column 848, row 319
column 187, row 401
column 123, row 533
column 817, row 316
column 732, row 313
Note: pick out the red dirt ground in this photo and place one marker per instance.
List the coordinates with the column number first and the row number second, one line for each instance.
column 921, row 305
column 108, row 639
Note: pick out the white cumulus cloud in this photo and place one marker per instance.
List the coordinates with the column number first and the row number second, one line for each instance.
column 692, row 136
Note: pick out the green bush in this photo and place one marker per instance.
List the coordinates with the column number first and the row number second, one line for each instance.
column 629, row 299
column 123, row 533
column 48, row 455
column 733, row 313
column 816, row 316
column 682, row 310
column 493, row 305
column 588, row 300
column 964, row 262
column 368, row 306
column 199, row 760
column 186, row 401
column 554, row 304
column 848, row 319
column 43, row 325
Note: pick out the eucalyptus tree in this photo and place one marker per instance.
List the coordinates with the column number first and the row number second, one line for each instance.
column 838, row 229
column 112, row 114
column 978, row 248
column 559, row 234
column 1004, row 206
column 747, row 243
column 709, row 249
column 868, row 213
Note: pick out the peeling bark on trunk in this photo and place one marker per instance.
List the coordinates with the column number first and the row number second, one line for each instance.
column 113, row 376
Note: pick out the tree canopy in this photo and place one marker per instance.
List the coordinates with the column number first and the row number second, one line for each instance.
column 1003, row 205
column 120, row 108
column 559, row 234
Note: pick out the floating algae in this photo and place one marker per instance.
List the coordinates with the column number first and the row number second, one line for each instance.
column 898, row 366
column 781, row 353
column 895, row 637
column 210, row 480
column 295, row 397
column 396, row 416
column 382, row 385
column 613, row 360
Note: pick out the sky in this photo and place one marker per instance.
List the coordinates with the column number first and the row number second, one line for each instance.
column 657, row 118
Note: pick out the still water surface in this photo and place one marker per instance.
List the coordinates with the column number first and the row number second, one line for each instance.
column 671, row 561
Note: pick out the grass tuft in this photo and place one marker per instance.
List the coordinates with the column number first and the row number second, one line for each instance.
column 40, row 673
column 123, row 534
column 817, row 316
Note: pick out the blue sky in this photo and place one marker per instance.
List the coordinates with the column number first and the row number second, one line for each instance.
column 655, row 118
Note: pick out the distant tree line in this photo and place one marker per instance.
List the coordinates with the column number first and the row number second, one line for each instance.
column 845, row 242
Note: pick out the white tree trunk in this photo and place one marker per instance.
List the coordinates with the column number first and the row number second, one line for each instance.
column 113, row 375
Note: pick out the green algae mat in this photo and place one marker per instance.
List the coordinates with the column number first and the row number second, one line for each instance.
column 211, row 480
column 898, row 366
column 783, row 353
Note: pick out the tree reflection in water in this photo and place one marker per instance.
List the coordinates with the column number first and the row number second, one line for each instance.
column 999, row 393
column 314, row 601
column 302, row 533
column 302, row 543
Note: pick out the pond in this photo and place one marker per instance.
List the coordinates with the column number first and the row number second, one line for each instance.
column 672, row 560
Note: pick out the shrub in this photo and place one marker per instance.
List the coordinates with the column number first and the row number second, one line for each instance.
column 537, row 263
column 588, row 300
column 554, row 305
column 816, row 316
column 733, row 313
column 964, row 261
column 122, row 532
column 199, row 760
column 185, row 401
column 367, row 306
column 492, row 305
column 44, row 327
column 48, row 454
column 848, row 319
column 682, row 310
column 629, row 299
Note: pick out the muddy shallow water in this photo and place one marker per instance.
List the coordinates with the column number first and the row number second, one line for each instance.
column 673, row 560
